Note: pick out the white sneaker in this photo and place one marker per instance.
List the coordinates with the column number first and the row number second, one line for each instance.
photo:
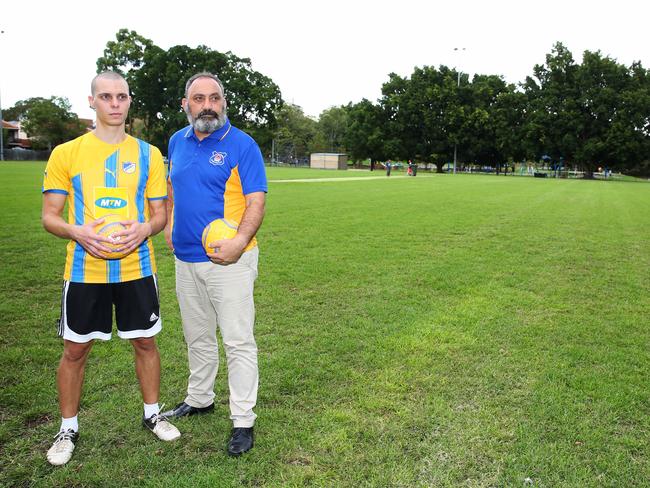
column 159, row 425
column 63, row 447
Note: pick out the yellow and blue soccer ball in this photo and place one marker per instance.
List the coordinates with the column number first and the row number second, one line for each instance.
column 109, row 228
column 217, row 230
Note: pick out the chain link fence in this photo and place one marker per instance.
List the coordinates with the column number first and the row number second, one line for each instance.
column 17, row 154
column 288, row 155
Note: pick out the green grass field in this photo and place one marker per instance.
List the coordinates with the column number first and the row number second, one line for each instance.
column 436, row 331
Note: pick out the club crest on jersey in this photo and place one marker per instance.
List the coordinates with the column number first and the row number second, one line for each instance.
column 128, row 167
column 218, row 158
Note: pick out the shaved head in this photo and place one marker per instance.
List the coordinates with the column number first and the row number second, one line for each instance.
column 108, row 75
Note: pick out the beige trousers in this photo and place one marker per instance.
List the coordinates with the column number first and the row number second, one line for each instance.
column 210, row 295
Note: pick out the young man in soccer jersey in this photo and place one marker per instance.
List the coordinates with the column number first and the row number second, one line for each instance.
column 216, row 171
column 106, row 172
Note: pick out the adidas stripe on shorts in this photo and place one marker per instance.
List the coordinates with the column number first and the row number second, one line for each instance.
column 87, row 310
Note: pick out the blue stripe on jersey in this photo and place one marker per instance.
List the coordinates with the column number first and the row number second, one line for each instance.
column 114, row 270
column 113, row 266
column 79, row 254
column 145, row 259
column 143, row 251
column 144, row 176
column 110, row 170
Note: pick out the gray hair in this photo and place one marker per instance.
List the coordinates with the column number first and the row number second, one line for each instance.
column 111, row 75
column 203, row 74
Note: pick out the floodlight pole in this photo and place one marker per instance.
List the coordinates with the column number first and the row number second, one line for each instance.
column 2, row 147
column 2, row 125
column 2, row 128
column 457, row 49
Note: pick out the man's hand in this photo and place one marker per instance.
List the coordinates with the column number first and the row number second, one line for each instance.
column 168, row 237
column 134, row 235
column 92, row 242
column 227, row 251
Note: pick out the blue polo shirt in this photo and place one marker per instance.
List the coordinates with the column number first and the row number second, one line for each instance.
column 210, row 180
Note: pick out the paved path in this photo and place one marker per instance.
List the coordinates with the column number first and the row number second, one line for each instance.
column 351, row 178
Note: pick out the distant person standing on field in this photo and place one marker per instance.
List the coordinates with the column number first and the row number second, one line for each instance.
column 413, row 168
column 388, row 167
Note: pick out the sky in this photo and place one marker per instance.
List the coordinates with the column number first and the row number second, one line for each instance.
column 321, row 54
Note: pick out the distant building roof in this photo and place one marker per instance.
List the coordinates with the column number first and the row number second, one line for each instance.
column 89, row 123
column 9, row 125
column 24, row 143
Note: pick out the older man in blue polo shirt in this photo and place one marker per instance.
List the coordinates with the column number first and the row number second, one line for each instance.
column 216, row 171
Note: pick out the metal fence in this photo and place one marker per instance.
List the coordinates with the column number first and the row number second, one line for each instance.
column 24, row 155
column 288, row 161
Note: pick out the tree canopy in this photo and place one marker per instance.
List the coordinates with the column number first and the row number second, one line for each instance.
column 47, row 121
column 594, row 113
column 157, row 79
column 589, row 114
column 294, row 135
column 586, row 115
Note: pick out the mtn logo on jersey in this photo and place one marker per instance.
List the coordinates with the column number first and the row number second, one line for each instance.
column 218, row 158
column 110, row 203
column 128, row 167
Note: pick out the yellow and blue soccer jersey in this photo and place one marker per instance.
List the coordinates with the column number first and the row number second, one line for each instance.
column 99, row 179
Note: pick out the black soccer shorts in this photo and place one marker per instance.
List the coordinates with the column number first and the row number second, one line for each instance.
column 87, row 310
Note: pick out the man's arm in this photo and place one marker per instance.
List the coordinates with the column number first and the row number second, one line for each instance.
column 170, row 210
column 230, row 250
column 85, row 235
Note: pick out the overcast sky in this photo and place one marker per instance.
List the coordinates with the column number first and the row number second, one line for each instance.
column 320, row 53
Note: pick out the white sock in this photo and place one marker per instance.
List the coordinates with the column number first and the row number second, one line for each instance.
column 71, row 423
column 151, row 409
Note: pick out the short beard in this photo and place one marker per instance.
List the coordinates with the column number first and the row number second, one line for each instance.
column 205, row 125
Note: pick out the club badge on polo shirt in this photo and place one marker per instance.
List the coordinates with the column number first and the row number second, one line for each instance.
column 217, row 158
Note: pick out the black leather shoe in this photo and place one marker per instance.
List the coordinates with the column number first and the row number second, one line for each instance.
column 185, row 410
column 241, row 441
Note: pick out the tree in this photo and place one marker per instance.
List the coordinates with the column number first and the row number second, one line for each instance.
column 47, row 122
column 294, row 135
column 593, row 114
column 426, row 114
column 366, row 132
column 332, row 125
column 614, row 113
column 489, row 130
column 157, row 79
column 509, row 114
column 553, row 97
column 18, row 109
column 125, row 53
